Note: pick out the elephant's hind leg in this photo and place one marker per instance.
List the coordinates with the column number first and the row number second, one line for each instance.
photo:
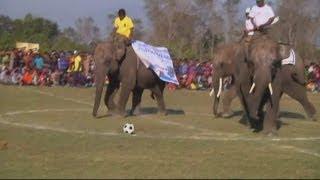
column 298, row 92
column 136, row 101
column 158, row 92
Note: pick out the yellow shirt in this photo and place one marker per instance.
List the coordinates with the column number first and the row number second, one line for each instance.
column 77, row 64
column 123, row 26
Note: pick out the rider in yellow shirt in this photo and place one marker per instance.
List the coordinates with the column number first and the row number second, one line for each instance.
column 123, row 24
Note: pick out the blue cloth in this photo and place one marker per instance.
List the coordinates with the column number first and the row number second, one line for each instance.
column 39, row 63
column 63, row 64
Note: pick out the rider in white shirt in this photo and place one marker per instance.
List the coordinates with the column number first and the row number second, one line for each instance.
column 261, row 15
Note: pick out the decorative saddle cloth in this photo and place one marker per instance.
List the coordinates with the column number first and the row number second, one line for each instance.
column 156, row 58
column 291, row 59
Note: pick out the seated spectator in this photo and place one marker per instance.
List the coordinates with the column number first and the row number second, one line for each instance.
column 27, row 77
column 38, row 62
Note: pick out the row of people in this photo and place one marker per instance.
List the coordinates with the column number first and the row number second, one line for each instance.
column 55, row 68
column 76, row 69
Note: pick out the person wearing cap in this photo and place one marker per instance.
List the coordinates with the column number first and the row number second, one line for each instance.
column 261, row 15
column 123, row 24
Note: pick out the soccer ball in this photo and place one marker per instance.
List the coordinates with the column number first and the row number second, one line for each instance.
column 128, row 128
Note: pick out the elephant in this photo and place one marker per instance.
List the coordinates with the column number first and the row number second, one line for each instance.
column 231, row 60
column 118, row 60
column 270, row 80
column 224, row 63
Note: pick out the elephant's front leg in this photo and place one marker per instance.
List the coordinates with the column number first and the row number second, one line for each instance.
column 136, row 101
column 123, row 99
column 228, row 96
column 271, row 116
column 110, row 94
column 158, row 92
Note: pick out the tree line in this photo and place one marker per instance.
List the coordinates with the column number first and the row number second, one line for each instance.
column 189, row 28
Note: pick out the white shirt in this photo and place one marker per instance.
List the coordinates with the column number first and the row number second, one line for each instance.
column 249, row 26
column 261, row 15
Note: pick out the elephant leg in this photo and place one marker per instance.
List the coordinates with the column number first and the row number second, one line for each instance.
column 100, row 75
column 299, row 93
column 216, row 101
column 270, row 119
column 272, row 109
column 228, row 97
column 123, row 99
column 136, row 101
column 215, row 107
column 158, row 92
column 112, row 90
column 242, row 92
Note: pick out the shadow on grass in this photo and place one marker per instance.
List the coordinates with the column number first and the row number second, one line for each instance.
column 154, row 110
column 291, row 115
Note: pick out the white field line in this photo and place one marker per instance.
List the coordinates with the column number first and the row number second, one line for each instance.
column 300, row 150
column 61, row 97
column 171, row 137
column 191, row 137
column 164, row 122
column 43, row 110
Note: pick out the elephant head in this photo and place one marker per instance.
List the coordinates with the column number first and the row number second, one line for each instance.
column 224, row 64
column 108, row 57
column 263, row 55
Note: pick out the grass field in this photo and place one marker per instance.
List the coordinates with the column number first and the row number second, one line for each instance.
column 51, row 134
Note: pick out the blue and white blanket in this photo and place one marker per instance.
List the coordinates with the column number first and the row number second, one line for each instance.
column 156, row 58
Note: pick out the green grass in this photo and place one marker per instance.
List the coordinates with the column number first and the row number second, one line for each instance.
column 60, row 139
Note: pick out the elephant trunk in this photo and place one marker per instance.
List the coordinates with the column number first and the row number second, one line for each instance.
column 261, row 83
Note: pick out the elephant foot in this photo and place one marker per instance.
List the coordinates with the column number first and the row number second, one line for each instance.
column 217, row 115
column 312, row 118
column 94, row 114
column 136, row 112
column 271, row 133
column 228, row 114
column 112, row 112
column 255, row 126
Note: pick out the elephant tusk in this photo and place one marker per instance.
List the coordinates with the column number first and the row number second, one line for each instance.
column 220, row 88
column 211, row 92
column 270, row 88
column 252, row 88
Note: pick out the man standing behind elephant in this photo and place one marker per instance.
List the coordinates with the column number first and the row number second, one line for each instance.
column 123, row 24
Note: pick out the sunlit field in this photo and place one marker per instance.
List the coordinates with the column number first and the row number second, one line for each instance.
column 51, row 134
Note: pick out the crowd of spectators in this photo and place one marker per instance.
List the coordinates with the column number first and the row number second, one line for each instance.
column 67, row 68
column 313, row 76
column 29, row 67
column 192, row 74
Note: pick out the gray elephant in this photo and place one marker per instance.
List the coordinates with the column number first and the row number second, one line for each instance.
column 224, row 66
column 230, row 60
column 119, row 61
column 270, row 80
